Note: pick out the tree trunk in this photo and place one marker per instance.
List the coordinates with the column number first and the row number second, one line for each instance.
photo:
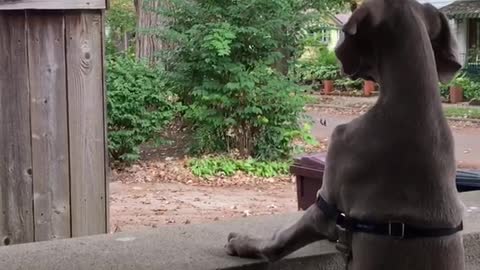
column 147, row 43
column 125, row 42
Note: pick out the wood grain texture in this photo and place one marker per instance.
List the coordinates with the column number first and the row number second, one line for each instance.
column 16, row 208
column 86, row 125
column 52, row 4
column 48, row 88
column 105, row 135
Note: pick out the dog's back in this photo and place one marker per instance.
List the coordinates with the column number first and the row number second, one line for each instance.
column 397, row 161
column 400, row 177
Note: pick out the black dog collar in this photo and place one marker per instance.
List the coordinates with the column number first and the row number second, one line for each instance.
column 398, row 230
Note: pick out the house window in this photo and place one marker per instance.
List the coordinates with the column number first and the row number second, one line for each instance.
column 325, row 36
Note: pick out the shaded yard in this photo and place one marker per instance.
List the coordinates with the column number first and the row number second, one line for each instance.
column 160, row 190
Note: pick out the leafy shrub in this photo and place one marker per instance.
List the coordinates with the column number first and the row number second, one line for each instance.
column 121, row 24
column 326, row 58
column 471, row 89
column 470, row 85
column 278, row 143
column 323, row 66
column 223, row 67
column 444, row 90
column 139, row 106
column 349, row 84
column 327, row 72
column 214, row 166
column 256, row 114
column 309, row 73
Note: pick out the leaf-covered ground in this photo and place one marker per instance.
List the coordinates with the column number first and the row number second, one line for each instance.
column 161, row 191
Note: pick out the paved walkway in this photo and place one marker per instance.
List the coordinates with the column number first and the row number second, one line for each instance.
column 467, row 140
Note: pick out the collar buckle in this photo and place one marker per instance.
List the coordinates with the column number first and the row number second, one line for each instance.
column 396, row 229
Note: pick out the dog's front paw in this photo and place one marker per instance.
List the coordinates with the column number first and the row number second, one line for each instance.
column 243, row 246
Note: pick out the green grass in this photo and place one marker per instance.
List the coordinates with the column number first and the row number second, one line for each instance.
column 458, row 112
column 221, row 165
column 311, row 99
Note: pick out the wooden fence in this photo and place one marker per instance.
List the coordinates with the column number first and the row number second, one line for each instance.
column 53, row 158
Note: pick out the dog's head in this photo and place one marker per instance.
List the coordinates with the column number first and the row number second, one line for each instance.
column 384, row 19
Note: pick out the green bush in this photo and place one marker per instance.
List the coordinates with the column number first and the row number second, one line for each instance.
column 349, row 84
column 139, row 106
column 470, row 85
column 308, row 72
column 471, row 90
column 444, row 90
column 224, row 68
column 324, row 66
column 326, row 58
column 215, row 166
column 327, row 72
column 121, row 24
column 255, row 114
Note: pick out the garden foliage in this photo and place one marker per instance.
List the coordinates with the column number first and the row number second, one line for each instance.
column 139, row 106
column 228, row 65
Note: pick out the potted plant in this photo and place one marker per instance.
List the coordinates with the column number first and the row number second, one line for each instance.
column 368, row 87
column 328, row 74
column 456, row 88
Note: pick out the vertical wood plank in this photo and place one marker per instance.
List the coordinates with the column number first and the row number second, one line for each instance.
column 86, row 127
column 51, row 187
column 105, row 135
column 16, row 217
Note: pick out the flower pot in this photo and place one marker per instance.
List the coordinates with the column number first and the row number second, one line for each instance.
column 368, row 87
column 456, row 94
column 327, row 86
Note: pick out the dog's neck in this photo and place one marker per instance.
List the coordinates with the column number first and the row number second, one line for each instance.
column 407, row 73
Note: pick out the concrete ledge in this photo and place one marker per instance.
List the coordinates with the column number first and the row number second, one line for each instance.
column 195, row 247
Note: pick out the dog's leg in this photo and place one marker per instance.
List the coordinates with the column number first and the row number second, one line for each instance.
column 311, row 227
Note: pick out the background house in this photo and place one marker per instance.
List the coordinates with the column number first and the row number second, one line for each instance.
column 326, row 33
column 465, row 18
column 334, row 23
column 437, row 3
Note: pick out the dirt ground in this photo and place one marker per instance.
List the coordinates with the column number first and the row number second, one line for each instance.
column 149, row 205
column 161, row 191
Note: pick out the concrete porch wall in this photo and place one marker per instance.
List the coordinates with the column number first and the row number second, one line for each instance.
column 195, row 247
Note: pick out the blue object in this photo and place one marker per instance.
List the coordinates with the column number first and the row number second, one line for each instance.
column 468, row 181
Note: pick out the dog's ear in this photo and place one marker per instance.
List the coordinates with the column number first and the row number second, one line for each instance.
column 354, row 48
column 445, row 50
column 350, row 28
column 367, row 11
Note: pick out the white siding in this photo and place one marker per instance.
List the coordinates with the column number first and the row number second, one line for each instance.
column 461, row 35
column 437, row 3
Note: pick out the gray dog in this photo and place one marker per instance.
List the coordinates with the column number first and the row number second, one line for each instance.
column 389, row 197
